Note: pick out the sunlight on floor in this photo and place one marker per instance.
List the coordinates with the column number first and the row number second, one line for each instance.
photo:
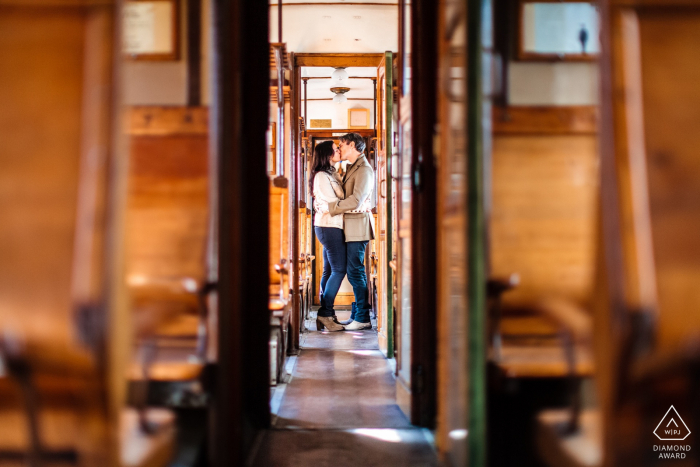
column 388, row 435
column 458, row 434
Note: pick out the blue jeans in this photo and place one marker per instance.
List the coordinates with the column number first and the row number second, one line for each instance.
column 334, row 260
column 358, row 279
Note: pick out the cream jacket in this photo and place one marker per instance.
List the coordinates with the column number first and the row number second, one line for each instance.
column 327, row 189
column 354, row 207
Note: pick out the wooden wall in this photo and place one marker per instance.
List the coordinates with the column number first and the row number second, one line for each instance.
column 544, row 186
column 167, row 212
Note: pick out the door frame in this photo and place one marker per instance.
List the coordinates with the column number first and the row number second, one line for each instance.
column 240, row 406
column 424, row 67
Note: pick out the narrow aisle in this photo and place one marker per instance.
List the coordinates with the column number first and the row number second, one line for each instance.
column 339, row 408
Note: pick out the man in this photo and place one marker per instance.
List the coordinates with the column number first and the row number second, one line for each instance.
column 358, row 224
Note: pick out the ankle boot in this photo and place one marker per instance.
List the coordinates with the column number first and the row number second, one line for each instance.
column 328, row 323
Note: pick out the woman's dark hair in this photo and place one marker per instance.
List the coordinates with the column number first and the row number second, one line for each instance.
column 323, row 153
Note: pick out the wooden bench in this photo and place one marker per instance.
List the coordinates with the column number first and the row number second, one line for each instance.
column 647, row 353
column 64, row 324
column 167, row 234
column 541, row 251
column 280, row 303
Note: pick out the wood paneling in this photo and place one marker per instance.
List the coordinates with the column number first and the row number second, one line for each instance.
column 543, row 216
column 545, row 120
column 167, row 212
column 161, row 121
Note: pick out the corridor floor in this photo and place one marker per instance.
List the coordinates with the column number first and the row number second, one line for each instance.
column 338, row 408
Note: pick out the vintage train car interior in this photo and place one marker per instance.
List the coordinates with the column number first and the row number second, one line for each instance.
column 374, row 232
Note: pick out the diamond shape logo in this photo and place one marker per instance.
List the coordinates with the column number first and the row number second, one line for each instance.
column 672, row 427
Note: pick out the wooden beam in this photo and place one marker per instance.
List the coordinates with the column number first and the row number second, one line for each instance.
column 373, row 78
column 160, row 120
column 330, row 4
column 546, row 120
column 240, row 407
column 349, row 98
column 338, row 60
column 328, row 132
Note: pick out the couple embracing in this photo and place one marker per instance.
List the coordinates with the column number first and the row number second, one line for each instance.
column 344, row 225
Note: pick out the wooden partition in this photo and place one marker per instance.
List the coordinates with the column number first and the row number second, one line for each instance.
column 542, row 225
column 63, row 323
column 167, row 216
column 542, row 232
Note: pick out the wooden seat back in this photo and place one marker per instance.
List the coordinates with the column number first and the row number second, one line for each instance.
column 542, row 239
column 167, row 215
column 279, row 241
column 542, row 220
column 63, row 328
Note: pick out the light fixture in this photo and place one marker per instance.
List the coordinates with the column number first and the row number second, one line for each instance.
column 340, row 96
column 340, row 75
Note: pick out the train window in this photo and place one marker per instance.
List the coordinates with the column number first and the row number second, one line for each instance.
column 558, row 31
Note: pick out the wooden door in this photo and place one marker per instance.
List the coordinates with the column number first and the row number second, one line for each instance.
column 385, row 210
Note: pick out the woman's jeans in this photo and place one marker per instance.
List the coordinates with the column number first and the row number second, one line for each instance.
column 334, row 261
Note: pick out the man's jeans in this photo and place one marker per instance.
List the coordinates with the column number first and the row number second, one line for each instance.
column 334, row 257
column 358, row 279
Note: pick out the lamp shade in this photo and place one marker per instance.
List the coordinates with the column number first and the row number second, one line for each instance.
column 340, row 75
column 340, row 98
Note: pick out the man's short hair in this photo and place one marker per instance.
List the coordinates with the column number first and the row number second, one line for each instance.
column 354, row 138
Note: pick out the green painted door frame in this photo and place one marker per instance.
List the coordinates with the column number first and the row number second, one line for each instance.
column 388, row 141
column 478, row 107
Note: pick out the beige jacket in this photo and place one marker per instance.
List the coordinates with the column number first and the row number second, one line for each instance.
column 358, row 184
column 327, row 189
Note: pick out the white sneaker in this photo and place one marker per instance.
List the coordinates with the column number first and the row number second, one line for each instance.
column 356, row 326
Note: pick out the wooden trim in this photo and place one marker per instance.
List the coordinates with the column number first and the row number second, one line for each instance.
column 338, row 60
column 546, row 120
column 161, row 120
column 334, row 4
column 294, row 176
column 57, row 3
column 328, row 132
column 373, row 78
column 349, row 98
column 662, row 4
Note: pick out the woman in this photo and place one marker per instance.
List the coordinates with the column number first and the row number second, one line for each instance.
column 326, row 186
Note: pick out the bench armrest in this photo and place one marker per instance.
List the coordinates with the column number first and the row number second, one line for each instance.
column 569, row 315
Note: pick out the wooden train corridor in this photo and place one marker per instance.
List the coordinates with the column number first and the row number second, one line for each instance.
column 338, row 408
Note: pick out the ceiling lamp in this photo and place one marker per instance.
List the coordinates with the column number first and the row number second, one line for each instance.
column 340, row 96
column 340, row 75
